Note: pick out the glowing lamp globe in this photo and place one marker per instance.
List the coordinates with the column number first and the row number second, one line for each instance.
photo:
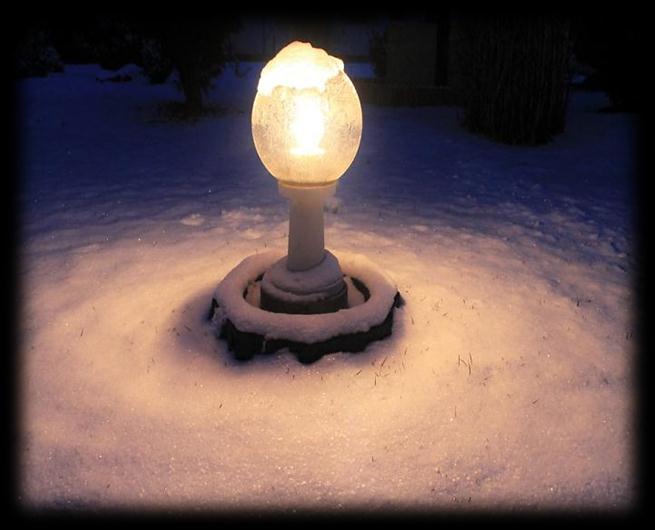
column 306, row 125
column 306, row 118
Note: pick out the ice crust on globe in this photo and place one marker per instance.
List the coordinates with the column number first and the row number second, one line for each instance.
column 306, row 118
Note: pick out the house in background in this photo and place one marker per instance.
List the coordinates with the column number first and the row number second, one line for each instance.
column 412, row 57
column 260, row 38
column 416, row 64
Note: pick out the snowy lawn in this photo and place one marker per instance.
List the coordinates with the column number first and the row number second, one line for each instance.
column 507, row 382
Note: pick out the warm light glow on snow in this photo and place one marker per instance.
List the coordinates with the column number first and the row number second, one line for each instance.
column 306, row 118
column 508, row 381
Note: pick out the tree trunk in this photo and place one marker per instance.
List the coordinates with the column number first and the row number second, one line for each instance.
column 191, row 86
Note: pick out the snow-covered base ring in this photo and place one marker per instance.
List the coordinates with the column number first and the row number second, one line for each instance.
column 250, row 330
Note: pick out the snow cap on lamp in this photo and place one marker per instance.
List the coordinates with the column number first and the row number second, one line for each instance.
column 299, row 65
column 306, row 118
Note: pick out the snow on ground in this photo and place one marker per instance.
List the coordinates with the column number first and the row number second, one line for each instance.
column 507, row 381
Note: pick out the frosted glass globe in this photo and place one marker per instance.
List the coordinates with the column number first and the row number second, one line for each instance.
column 306, row 118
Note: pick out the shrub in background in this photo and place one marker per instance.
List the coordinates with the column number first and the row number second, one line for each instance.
column 198, row 48
column 35, row 55
column 377, row 45
column 614, row 44
column 155, row 65
column 115, row 43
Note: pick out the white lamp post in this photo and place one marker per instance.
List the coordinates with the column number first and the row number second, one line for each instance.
column 306, row 125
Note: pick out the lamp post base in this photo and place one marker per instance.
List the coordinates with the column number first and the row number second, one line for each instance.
column 250, row 330
column 320, row 289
